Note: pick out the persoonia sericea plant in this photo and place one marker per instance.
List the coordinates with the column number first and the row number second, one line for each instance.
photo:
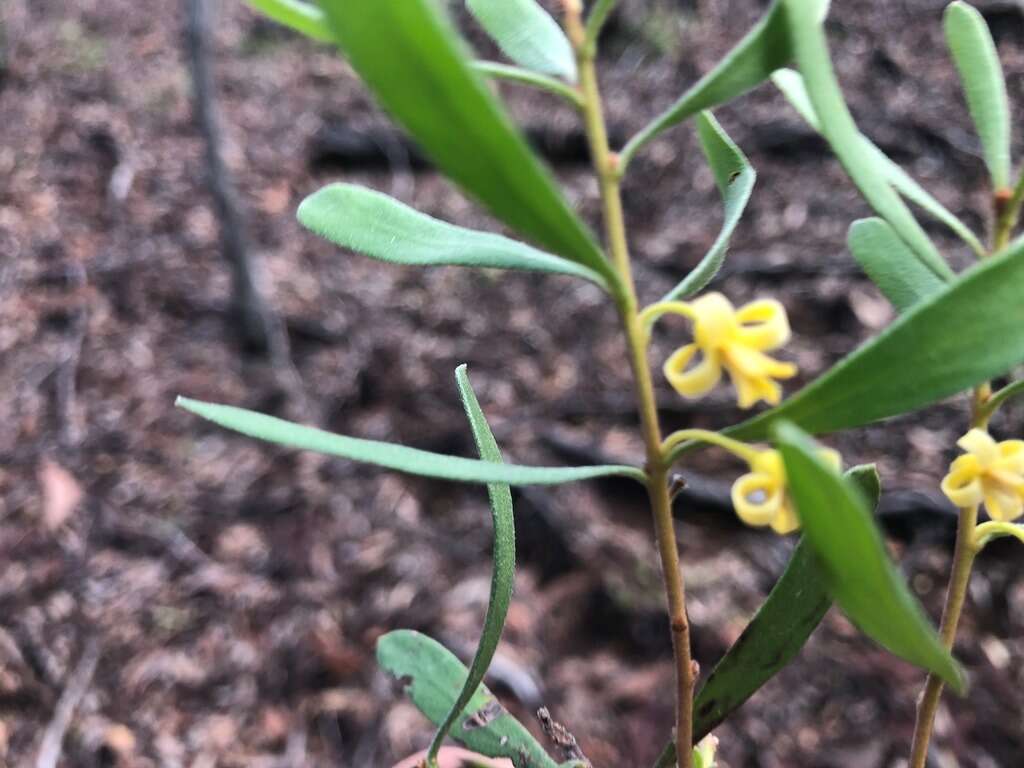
column 955, row 333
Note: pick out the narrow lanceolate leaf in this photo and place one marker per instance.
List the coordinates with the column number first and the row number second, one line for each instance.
column 433, row 677
column 382, row 228
column 391, row 456
column 853, row 561
column 791, row 84
column 503, row 562
column 527, row 34
column 890, row 264
column 939, row 347
column 305, row 18
column 410, row 56
column 762, row 50
column 775, row 635
column 735, row 178
column 868, row 172
column 977, row 61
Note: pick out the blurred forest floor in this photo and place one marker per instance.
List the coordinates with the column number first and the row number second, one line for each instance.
column 233, row 592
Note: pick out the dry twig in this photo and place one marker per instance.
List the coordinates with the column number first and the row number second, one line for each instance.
column 561, row 737
column 77, row 685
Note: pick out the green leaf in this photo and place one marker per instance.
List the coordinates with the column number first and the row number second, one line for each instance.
column 791, row 84
column 504, row 561
column 432, row 675
column 939, row 347
column 735, row 179
column 304, row 18
column 410, row 56
column 778, row 631
column 765, row 48
column 382, row 228
column 522, row 76
column 897, row 272
column 853, row 560
column 527, row 34
column 864, row 167
column 977, row 61
column 596, row 18
column 391, row 456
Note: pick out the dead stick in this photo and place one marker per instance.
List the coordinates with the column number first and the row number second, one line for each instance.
column 75, row 690
column 561, row 737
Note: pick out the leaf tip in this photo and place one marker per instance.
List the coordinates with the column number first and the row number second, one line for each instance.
column 957, row 678
column 185, row 403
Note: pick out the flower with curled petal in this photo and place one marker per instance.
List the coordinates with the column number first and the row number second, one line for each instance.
column 989, row 473
column 732, row 339
column 761, row 497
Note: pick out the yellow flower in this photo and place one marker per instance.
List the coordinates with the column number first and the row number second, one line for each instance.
column 761, row 497
column 989, row 472
column 735, row 340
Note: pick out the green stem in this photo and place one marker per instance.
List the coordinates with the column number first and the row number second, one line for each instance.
column 1007, row 213
column 987, row 409
column 498, row 71
column 735, row 447
column 606, row 165
column 980, row 398
column 652, row 312
column 994, row 529
column 956, row 594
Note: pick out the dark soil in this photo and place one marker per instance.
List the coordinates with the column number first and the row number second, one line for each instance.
column 235, row 591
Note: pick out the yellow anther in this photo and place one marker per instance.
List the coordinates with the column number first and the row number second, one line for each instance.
column 761, row 497
column 735, row 340
column 988, row 473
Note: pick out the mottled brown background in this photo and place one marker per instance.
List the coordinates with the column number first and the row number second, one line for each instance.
column 235, row 591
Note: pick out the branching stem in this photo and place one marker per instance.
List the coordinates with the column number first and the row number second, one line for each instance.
column 606, row 166
column 1007, row 210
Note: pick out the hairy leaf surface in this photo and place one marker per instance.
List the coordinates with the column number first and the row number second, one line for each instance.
column 897, row 272
column 977, row 61
column 382, row 228
column 390, row 455
column 411, row 58
column 527, row 34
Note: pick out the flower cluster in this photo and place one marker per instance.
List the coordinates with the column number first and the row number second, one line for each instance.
column 989, row 473
column 734, row 340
